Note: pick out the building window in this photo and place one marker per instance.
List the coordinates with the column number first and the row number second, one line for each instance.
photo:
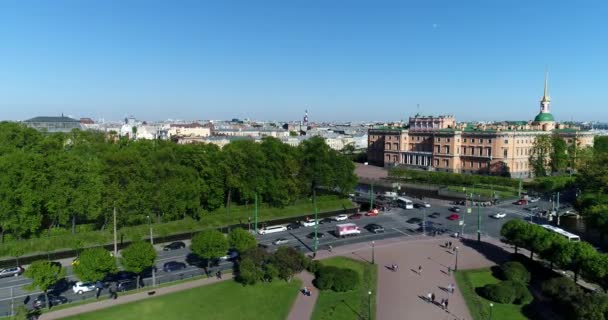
column 506, row 141
column 388, row 146
column 489, row 140
column 438, row 139
column 436, row 162
column 446, row 163
column 504, row 153
column 446, row 149
column 464, row 140
column 471, row 164
column 472, row 140
column 437, row 149
column 395, row 146
column 488, row 152
column 478, row 165
column 449, row 140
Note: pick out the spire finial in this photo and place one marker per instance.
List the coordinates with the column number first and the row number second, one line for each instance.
column 546, row 80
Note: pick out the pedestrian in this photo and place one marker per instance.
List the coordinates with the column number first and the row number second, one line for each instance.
column 446, row 305
column 442, row 303
column 433, row 297
column 419, row 270
column 396, row 267
column 446, row 244
column 219, row 274
column 429, row 297
column 453, row 288
column 449, row 244
column 449, row 270
column 329, row 248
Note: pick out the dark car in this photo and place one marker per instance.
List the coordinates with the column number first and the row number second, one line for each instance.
column 312, row 235
column 414, row 220
column 356, row 216
column 455, row 209
column 375, row 228
column 60, row 286
column 173, row 266
column 326, row 220
column 174, row 246
column 40, row 302
column 435, row 215
column 126, row 285
column 119, row 276
column 293, row 226
column 194, row 260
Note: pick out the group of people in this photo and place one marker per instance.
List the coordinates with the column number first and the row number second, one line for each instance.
column 443, row 303
column 394, row 267
column 306, row 291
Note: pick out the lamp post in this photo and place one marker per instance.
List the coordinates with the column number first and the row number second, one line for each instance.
column 456, row 262
column 478, row 219
column 314, row 200
column 491, row 307
column 373, row 253
column 152, row 243
column 369, row 305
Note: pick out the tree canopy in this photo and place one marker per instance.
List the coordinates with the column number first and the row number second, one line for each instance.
column 94, row 264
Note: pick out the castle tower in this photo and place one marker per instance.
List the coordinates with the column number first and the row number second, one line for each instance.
column 545, row 119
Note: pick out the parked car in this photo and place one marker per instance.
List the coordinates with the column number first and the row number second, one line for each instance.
column 280, row 241
column 414, row 220
column 126, row 285
column 355, row 216
column 293, row 226
column 453, row 217
column 435, row 215
column 59, row 287
column 341, row 217
column 375, row 228
column 455, row 209
column 499, row 215
column 174, row 246
column 40, row 301
column 312, row 235
column 173, row 266
column 326, row 220
column 82, row 287
column 372, row 213
column 11, row 272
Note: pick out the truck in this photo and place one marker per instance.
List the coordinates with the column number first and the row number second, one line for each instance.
column 347, row 229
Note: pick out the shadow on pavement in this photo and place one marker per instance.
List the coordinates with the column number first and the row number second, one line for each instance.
column 490, row 251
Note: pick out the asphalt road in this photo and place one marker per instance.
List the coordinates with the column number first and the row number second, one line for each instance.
column 394, row 222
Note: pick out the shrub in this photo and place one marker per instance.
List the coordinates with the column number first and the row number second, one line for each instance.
column 561, row 289
column 522, row 294
column 345, row 280
column 325, row 277
column 499, row 292
column 314, row 266
column 515, row 271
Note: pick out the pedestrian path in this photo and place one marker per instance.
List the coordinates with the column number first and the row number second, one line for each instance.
column 89, row 307
column 304, row 305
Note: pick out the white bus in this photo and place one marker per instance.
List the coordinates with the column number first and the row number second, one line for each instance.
column 562, row 232
column 405, row 203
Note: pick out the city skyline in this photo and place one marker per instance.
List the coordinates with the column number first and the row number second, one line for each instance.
column 361, row 62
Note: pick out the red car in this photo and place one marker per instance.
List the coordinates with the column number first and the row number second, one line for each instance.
column 372, row 213
column 356, row 216
column 453, row 217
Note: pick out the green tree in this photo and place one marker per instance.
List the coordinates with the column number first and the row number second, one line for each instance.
column 249, row 273
column 600, row 144
column 209, row 244
column 539, row 241
column 558, row 155
column 94, row 264
column 582, row 252
column 44, row 274
column 288, row 261
column 241, row 240
column 138, row 257
column 540, row 155
column 514, row 232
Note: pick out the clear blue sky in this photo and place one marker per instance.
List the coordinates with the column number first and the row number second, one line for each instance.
column 340, row 59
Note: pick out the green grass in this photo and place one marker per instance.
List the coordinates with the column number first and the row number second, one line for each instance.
column 501, row 191
column 480, row 307
column 347, row 305
column 62, row 239
column 226, row 300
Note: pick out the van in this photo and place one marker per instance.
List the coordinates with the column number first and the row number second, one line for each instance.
column 272, row 229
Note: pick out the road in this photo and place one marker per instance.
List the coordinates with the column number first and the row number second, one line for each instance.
column 394, row 222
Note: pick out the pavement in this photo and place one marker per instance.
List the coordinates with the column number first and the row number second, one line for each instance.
column 304, row 305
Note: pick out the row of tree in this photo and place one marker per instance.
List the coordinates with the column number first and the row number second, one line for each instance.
column 578, row 257
column 61, row 180
column 550, row 154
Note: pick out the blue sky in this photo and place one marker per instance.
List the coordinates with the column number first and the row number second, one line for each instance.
column 340, row 59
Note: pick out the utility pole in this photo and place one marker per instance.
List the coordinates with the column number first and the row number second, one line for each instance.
column 152, row 243
column 479, row 220
column 371, row 197
column 557, row 208
column 314, row 200
column 255, row 214
column 519, row 189
column 115, row 238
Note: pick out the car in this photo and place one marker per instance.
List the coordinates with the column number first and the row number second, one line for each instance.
column 231, row 255
column 312, row 235
column 453, row 217
column 326, row 220
column 272, row 229
column 280, row 241
column 60, row 286
column 195, row 260
column 534, row 199
column 55, row 300
column 455, row 209
column 435, row 215
column 375, row 228
column 82, row 287
column 119, row 276
column 499, row 215
column 521, row 202
column 341, row 217
column 426, row 204
column 414, row 220
column 293, row 226
column 372, row 213
column 310, row 222
column 355, row 216
column 126, row 285
column 174, row 246
column 11, row 272
column 173, row 266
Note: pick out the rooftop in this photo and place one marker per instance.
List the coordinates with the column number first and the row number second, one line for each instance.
column 52, row 119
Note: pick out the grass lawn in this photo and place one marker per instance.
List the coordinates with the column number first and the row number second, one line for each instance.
column 227, row 300
column 348, row 305
column 480, row 307
column 501, row 191
column 63, row 239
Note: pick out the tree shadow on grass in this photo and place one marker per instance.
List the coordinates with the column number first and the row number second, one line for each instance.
column 359, row 316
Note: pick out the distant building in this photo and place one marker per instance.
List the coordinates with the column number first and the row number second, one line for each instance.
column 53, row 124
column 188, row 130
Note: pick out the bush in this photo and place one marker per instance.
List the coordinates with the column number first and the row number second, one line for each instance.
column 499, row 292
column 314, row 266
column 522, row 294
column 515, row 271
column 336, row 279
column 561, row 289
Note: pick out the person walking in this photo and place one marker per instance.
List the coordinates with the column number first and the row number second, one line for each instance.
column 419, row 270
column 329, row 248
column 442, row 303
column 450, row 244
column 453, row 288
column 446, row 304
column 429, row 297
column 433, row 297
column 446, row 244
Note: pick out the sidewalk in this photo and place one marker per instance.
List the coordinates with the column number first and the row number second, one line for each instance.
column 89, row 307
column 304, row 305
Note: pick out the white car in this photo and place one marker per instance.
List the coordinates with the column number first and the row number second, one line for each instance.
column 499, row 215
column 341, row 217
column 280, row 241
column 534, row 199
column 82, row 287
column 309, row 223
column 272, row 229
column 426, row 204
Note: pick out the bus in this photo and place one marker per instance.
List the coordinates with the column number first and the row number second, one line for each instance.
column 405, row 203
column 562, row 232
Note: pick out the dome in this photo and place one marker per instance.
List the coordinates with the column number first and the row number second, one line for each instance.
column 544, row 117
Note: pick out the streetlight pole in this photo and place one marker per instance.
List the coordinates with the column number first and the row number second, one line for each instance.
column 369, row 305
column 314, row 200
column 456, row 263
column 371, row 197
column 373, row 253
column 491, row 307
column 152, row 243
column 479, row 219
column 255, row 215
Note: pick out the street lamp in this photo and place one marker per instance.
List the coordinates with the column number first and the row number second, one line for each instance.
column 491, row 307
column 152, row 243
column 456, row 262
column 369, row 304
column 373, row 253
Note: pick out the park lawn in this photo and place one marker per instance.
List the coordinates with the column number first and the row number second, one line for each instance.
column 479, row 307
column 352, row 304
column 62, row 239
column 501, row 191
column 226, row 300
